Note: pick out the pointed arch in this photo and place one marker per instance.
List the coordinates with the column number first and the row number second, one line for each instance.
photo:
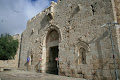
column 48, row 43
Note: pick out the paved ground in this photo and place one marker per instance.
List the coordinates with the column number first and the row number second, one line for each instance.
column 25, row 75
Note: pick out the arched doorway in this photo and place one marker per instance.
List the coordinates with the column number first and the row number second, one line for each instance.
column 52, row 42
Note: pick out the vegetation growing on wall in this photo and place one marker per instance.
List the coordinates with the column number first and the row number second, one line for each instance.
column 8, row 47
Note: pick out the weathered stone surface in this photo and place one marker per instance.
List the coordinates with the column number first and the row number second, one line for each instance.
column 1, row 69
column 84, row 46
column 117, row 6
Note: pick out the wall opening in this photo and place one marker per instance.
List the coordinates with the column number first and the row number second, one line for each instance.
column 32, row 59
column 52, row 50
column 52, row 63
column 82, row 56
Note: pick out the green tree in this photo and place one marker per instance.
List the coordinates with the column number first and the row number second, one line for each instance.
column 8, row 47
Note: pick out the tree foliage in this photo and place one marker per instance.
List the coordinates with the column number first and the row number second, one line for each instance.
column 8, row 47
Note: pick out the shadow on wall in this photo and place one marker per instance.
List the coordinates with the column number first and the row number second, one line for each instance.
column 38, row 67
column 26, row 64
column 75, row 12
column 99, row 50
column 44, row 21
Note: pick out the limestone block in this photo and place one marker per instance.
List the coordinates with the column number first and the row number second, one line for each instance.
column 113, row 78
column 96, row 66
column 68, row 71
column 1, row 69
column 88, row 59
column 69, row 5
column 79, row 71
column 110, row 78
column 81, row 75
column 106, row 73
column 112, row 72
column 72, row 66
column 61, row 72
column 94, row 61
column 88, row 76
column 93, row 72
column 67, row 74
column 106, row 66
column 84, row 71
column 98, row 77
column 104, row 78
column 78, row 75
column 75, row 71
column 112, row 66
column 119, row 19
column 94, row 57
column 89, row 72
column 60, row 66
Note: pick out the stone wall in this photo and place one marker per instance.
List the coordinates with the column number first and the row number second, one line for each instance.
column 11, row 64
column 84, row 47
column 117, row 6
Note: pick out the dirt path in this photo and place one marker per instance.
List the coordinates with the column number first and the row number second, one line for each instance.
column 25, row 75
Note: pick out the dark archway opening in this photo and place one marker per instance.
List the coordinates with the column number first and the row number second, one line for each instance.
column 52, row 66
column 53, row 63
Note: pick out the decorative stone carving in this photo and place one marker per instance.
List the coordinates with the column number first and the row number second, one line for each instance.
column 81, row 48
column 50, row 15
column 51, row 10
column 83, row 45
column 79, row 6
column 37, row 40
column 33, row 30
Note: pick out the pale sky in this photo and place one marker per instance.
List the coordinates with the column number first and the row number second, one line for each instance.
column 14, row 14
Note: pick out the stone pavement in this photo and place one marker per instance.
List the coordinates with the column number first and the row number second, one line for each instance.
column 25, row 75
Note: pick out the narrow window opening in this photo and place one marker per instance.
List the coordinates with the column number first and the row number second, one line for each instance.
column 82, row 56
column 31, row 59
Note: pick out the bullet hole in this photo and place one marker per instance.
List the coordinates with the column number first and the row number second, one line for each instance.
column 68, row 21
column 93, row 8
column 50, row 16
